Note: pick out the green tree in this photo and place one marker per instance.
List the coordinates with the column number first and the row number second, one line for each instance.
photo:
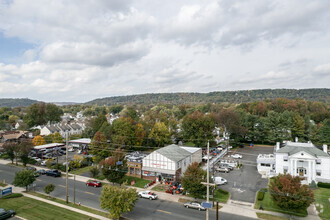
column 324, row 132
column 298, row 126
column 24, row 178
column 53, row 113
column 57, row 138
column 278, row 126
column 98, row 122
column 160, row 134
column 198, row 128
column 191, row 181
column 288, row 193
column 115, row 109
column 118, row 200
column 114, row 167
column 140, row 134
column 49, row 188
column 9, row 148
column 24, row 149
column 94, row 171
column 131, row 113
column 99, row 145
column 123, row 131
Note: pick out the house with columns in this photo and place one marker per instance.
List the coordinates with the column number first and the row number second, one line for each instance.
column 298, row 159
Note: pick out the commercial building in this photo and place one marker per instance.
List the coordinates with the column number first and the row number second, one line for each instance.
column 170, row 162
column 134, row 164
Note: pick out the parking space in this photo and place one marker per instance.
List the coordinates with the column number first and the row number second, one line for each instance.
column 243, row 183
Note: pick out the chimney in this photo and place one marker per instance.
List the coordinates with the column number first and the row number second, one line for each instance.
column 296, row 139
column 277, row 146
column 325, row 148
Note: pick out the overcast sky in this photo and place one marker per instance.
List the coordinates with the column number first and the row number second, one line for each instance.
column 79, row 50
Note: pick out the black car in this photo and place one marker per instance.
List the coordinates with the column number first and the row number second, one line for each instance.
column 31, row 168
column 54, row 173
column 42, row 171
column 6, row 214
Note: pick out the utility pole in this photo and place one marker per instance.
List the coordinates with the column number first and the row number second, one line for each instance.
column 74, row 189
column 208, row 179
column 217, row 213
column 66, row 168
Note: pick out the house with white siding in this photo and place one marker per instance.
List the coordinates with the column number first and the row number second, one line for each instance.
column 170, row 162
column 298, row 159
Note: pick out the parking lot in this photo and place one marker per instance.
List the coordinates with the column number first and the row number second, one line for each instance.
column 243, row 183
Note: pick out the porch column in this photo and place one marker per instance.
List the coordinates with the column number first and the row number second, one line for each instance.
column 313, row 170
column 291, row 166
column 309, row 172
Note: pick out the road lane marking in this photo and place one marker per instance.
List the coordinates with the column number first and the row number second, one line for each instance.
column 90, row 193
column 164, row 211
column 62, row 186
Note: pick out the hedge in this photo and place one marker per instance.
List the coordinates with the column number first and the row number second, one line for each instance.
column 13, row 195
column 260, row 195
column 323, row 185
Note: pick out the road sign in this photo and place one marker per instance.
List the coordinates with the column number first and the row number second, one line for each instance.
column 6, row 191
column 207, row 205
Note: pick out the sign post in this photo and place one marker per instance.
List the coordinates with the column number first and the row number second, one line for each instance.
column 6, row 191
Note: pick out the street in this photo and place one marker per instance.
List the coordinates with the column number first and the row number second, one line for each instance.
column 89, row 196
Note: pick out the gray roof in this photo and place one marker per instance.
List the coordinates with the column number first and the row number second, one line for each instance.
column 293, row 148
column 75, row 126
column 173, row 152
column 53, row 128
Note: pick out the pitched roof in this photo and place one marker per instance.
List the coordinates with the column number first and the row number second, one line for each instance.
column 292, row 148
column 173, row 152
column 53, row 128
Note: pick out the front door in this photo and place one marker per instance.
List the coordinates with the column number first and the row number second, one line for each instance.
column 301, row 171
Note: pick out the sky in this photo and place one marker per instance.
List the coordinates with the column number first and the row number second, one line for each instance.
column 80, row 50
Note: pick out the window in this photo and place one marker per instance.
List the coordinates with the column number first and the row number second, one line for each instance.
column 265, row 165
column 318, row 172
column 285, row 171
column 285, row 158
column 318, row 161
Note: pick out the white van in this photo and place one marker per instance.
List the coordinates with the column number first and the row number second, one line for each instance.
column 218, row 180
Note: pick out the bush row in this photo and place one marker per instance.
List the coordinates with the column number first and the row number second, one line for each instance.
column 323, row 185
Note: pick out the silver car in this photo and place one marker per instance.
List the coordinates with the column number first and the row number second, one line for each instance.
column 194, row 205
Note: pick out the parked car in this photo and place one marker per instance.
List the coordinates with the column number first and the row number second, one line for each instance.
column 63, row 152
column 226, row 165
column 222, row 169
column 42, row 171
column 237, row 156
column 219, row 180
column 31, row 168
column 71, row 149
column 36, row 158
column 54, row 173
column 43, row 163
column 36, row 174
column 4, row 214
column 148, row 195
column 93, row 183
column 194, row 205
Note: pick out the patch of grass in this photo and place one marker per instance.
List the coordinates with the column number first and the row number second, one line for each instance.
column 61, row 201
column 3, row 184
column 270, row 217
column 182, row 200
column 80, row 170
column 322, row 202
column 160, row 188
column 100, row 177
column 13, row 195
column 29, row 208
column 268, row 204
column 221, row 195
column 138, row 182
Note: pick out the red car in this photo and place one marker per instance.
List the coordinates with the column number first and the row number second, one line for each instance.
column 94, row 183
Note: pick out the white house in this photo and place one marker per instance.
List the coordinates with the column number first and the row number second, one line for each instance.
column 170, row 162
column 72, row 129
column 298, row 159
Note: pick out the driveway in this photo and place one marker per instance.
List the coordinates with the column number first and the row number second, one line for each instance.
column 245, row 182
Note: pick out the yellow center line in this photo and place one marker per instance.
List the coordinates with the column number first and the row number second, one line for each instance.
column 90, row 193
column 163, row 211
column 61, row 186
column 38, row 180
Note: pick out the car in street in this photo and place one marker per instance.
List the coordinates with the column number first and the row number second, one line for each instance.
column 93, row 183
column 222, row 169
column 218, row 180
column 4, row 214
column 148, row 195
column 237, row 156
column 194, row 205
column 54, row 173
column 226, row 165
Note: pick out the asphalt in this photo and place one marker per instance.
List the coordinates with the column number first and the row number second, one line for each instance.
column 89, row 196
column 244, row 183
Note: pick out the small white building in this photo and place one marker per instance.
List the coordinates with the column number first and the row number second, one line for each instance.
column 298, row 159
column 170, row 162
column 81, row 144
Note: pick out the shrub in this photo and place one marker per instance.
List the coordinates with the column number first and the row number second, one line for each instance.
column 260, row 195
column 94, row 172
column 14, row 195
column 313, row 185
column 323, row 185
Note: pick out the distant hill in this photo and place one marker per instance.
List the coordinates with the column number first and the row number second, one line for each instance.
column 16, row 102
column 241, row 96
column 65, row 103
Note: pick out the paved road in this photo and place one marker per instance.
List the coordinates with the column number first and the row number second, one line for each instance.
column 89, row 196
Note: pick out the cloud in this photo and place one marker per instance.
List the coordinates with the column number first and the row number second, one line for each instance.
column 322, row 70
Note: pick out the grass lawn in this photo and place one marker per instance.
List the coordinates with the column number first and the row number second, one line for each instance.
column 61, row 201
column 160, row 187
column 270, row 217
column 221, row 195
column 138, row 182
column 321, row 196
column 33, row 209
column 268, row 204
column 81, row 170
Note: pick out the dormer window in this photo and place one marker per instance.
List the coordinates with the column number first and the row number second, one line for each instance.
column 318, row 161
